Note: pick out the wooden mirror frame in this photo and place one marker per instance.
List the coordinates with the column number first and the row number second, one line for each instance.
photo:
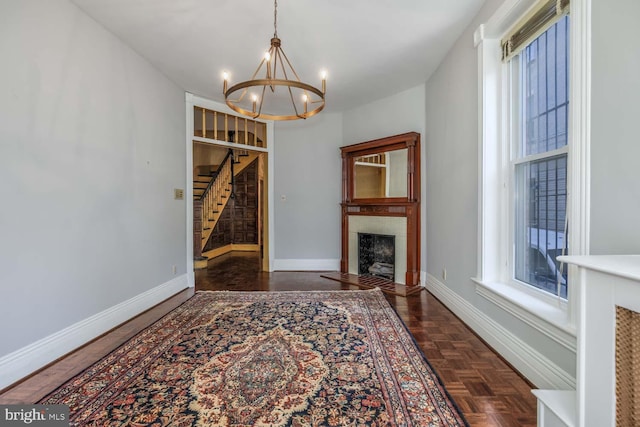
column 408, row 207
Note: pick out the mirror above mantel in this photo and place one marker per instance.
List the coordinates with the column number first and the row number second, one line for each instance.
column 381, row 178
column 380, row 175
column 383, row 171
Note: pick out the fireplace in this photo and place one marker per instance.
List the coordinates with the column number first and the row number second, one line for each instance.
column 385, row 202
column 376, row 255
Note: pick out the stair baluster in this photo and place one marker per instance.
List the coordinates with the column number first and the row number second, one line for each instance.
column 213, row 199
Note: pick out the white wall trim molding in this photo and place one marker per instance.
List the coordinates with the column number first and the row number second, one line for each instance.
column 189, row 102
column 306, row 265
column 579, row 176
column 560, row 333
column 503, row 18
column 32, row 357
column 527, row 360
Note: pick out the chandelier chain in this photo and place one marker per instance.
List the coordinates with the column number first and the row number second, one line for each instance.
column 275, row 18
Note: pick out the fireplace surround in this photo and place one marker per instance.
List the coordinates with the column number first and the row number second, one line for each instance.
column 391, row 210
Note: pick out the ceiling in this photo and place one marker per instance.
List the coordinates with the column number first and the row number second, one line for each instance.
column 370, row 49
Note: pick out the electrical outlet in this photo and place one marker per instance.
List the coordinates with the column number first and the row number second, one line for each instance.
column 173, row 268
column 444, row 274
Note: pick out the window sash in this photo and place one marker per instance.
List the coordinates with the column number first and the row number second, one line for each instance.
column 539, row 223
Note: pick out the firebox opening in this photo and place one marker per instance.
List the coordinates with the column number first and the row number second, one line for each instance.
column 376, row 255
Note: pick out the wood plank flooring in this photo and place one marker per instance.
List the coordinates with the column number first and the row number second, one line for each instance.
column 487, row 390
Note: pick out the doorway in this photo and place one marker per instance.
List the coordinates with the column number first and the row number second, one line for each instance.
column 236, row 223
column 213, row 133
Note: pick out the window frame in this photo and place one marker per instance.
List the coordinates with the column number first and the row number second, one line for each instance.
column 515, row 80
column 553, row 316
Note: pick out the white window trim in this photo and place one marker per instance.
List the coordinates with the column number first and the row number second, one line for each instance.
column 549, row 314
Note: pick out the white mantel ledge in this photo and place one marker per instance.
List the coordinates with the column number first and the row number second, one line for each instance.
column 626, row 266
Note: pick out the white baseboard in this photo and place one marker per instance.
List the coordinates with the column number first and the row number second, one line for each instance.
column 306, row 264
column 32, row 357
column 527, row 360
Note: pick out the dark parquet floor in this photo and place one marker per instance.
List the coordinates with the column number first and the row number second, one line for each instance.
column 487, row 390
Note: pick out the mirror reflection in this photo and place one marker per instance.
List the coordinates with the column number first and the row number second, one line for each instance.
column 381, row 175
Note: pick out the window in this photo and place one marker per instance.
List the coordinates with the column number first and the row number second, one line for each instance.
column 539, row 85
column 533, row 182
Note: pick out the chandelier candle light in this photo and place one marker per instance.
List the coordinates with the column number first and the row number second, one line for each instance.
column 303, row 100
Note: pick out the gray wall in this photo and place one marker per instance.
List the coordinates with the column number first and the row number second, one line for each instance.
column 400, row 113
column 308, row 173
column 615, row 135
column 452, row 163
column 91, row 148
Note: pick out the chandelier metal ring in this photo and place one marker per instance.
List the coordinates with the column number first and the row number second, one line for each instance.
column 275, row 61
column 274, row 82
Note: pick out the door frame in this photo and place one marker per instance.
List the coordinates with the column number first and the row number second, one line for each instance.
column 191, row 101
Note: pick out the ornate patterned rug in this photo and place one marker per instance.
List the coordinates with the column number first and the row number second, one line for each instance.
column 336, row 358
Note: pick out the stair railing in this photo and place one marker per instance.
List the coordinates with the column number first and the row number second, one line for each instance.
column 210, row 205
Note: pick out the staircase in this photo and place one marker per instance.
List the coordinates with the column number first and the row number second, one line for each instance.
column 200, row 184
column 211, row 195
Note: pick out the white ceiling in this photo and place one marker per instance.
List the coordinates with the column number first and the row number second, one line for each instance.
column 370, row 48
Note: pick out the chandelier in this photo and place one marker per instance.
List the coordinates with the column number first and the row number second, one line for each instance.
column 281, row 91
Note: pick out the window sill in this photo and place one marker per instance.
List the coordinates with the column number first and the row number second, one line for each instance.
column 551, row 319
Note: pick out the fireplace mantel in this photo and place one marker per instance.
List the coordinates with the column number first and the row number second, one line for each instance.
column 604, row 282
column 406, row 205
